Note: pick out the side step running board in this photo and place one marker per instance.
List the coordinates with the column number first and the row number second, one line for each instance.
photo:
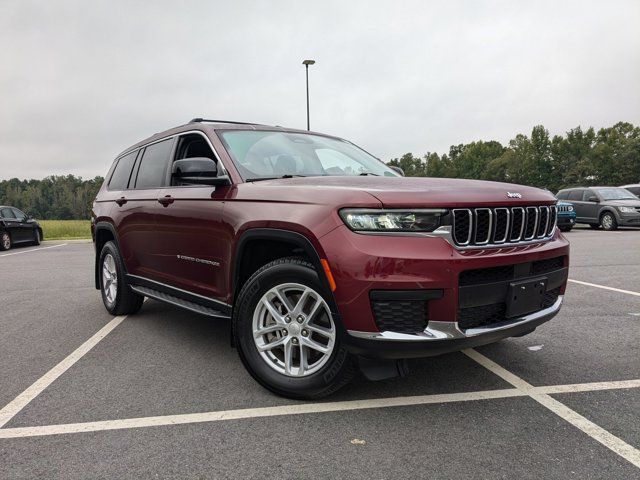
column 179, row 302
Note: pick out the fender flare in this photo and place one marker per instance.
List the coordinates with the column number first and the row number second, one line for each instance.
column 289, row 236
column 103, row 226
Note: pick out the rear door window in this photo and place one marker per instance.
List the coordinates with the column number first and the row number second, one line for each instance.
column 563, row 195
column 575, row 195
column 122, row 173
column 153, row 166
column 7, row 213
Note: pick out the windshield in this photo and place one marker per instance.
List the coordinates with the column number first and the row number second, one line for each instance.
column 266, row 154
column 616, row 194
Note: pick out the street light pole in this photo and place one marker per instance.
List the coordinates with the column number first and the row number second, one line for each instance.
column 306, row 64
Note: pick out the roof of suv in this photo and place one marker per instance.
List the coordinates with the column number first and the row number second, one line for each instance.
column 203, row 124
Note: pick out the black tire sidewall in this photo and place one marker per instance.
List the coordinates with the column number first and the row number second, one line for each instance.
column 110, row 248
column 252, row 292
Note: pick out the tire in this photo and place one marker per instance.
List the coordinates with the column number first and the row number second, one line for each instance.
column 608, row 221
column 323, row 373
column 5, row 241
column 595, row 226
column 565, row 229
column 38, row 238
column 117, row 296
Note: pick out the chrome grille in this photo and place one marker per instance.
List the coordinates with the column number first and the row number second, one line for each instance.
column 502, row 225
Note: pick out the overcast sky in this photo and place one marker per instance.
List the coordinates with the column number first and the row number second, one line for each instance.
column 80, row 81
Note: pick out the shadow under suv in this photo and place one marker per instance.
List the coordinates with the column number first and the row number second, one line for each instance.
column 325, row 260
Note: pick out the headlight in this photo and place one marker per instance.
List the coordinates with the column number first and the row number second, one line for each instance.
column 570, row 208
column 374, row 220
column 627, row 209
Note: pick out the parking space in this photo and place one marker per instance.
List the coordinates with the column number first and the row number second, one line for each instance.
column 163, row 394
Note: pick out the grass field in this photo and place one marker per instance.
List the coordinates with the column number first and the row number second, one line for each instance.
column 65, row 229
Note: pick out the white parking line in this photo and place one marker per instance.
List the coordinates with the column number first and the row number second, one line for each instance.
column 22, row 400
column 604, row 287
column 32, row 250
column 304, row 408
column 617, row 445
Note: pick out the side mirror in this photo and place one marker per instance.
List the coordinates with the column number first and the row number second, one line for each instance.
column 198, row 171
column 397, row 170
column 593, row 199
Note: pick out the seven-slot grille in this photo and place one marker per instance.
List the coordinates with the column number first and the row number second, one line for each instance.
column 565, row 208
column 495, row 226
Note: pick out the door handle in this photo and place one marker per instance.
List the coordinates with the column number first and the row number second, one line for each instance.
column 166, row 200
column 121, row 201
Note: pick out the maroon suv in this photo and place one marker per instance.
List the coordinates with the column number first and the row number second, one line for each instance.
column 325, row 259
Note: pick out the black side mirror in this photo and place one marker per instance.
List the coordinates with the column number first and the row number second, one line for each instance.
column 593, row 199
column 198, row 171
column 397, row 170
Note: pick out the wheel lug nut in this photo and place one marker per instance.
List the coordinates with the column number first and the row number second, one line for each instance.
column 287, row 319
column 304, row 333
column 294, row 340
column 300, row 319
column 285, row 332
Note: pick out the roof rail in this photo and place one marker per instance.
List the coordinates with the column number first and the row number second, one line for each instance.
column 200, row 120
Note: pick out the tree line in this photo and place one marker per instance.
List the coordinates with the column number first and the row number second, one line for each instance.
column 56, row 197
column 609, row 156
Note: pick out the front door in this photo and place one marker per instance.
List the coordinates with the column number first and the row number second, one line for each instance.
column 190, row 231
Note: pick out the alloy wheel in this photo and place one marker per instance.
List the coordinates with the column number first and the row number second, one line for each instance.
column 293, row 329
column 6, row 241
column 607, row 221
column 109, row 278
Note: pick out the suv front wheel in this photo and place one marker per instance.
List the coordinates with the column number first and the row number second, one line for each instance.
column 286, row 335
column 608, row 221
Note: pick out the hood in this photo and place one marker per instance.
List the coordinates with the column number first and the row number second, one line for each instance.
column 399, row 192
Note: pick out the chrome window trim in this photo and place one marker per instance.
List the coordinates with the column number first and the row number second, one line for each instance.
column 179, row 134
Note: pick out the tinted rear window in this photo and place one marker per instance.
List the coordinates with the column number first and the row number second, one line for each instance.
column 575, row 195
column 120, row 178
column 563, row 195
column 154, row 164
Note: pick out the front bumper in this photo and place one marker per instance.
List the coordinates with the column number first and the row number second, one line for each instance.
column 366, row 264
column 566, row 220
column 629, row 219
column 444, row 337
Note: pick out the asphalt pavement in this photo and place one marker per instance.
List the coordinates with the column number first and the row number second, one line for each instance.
column 161, row 394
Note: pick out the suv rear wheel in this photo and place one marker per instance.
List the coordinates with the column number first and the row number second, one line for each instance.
column 117, row 296
column 286, row 335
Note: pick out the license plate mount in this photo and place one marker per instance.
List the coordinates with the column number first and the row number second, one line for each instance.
column 526, row 296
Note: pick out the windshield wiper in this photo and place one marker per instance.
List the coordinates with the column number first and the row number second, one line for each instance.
column 257, row 179
column 369, row 173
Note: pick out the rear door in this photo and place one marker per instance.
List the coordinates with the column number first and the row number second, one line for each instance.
column 11, row 223
column 575, row 198
column 191, row 237
column 137, row 228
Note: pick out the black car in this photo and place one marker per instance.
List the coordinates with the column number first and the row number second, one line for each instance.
column 606, row 207
column 17, row 227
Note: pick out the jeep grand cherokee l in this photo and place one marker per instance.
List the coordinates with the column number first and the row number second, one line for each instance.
column 324, row 259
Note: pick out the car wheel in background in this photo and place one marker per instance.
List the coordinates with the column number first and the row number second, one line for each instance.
column 117, row 296
column 38, row 238
column 5, row 241
column 608, row 221
column 286, row 335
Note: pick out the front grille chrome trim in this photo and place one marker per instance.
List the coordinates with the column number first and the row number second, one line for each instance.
column 507, row 229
